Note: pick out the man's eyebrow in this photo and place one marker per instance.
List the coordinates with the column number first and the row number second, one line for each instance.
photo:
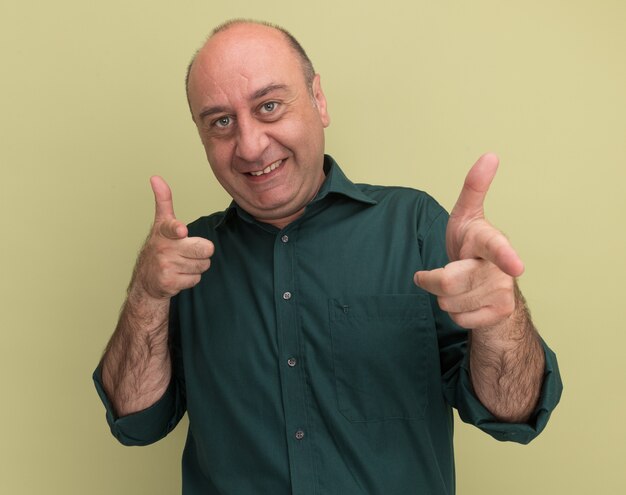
column 211, row 111
column 268, row 89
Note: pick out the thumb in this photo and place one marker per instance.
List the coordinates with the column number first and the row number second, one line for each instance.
column 477, row 182
column 164, row 206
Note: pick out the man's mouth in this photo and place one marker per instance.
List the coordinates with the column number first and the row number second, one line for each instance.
column 267, row 169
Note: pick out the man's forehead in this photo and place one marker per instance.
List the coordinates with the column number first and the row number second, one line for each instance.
column 250, row 83
column 246, row 59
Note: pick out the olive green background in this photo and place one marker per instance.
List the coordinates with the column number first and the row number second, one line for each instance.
column 92, row 104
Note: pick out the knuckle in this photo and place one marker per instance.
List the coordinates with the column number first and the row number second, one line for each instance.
column 202, row 251
column 164, row 281
column 502, row 309
column 166, row 288
column 206, row 249
column 448, row 283
column 169, row 290
column 197, row 267
column 194, row 280
column 494, row 240
column 163, row 266
column 167, row 280
column 195, row 248
column 443, row 303
column 461, row 319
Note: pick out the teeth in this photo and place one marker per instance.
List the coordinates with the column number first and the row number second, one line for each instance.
column 268, row 169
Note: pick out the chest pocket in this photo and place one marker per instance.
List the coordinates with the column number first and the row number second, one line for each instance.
column 382, row 348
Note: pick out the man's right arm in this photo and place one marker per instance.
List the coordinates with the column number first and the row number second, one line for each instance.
column 136, row 366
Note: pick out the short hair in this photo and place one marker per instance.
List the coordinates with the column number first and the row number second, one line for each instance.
column 307, row 66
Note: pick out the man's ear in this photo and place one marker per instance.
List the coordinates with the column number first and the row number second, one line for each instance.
column 320, row 100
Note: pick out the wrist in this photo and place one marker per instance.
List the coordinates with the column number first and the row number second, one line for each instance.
column 512, row 331
column 145, row 314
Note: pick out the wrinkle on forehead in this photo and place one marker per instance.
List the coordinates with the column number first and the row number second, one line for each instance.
column 237, row 84
column 225, row 91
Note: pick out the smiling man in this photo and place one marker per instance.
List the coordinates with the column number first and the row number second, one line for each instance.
column 315, row 330
column 261, row 121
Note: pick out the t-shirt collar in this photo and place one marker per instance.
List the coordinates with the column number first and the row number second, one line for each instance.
column 337, row 182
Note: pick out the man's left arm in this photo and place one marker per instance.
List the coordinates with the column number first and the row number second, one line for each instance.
column 479, row 291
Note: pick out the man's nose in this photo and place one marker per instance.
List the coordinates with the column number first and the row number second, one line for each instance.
column 252, row 140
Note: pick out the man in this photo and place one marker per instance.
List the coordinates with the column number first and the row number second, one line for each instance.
column 311, row 330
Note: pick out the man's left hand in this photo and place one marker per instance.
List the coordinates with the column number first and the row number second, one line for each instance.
column 477, row 287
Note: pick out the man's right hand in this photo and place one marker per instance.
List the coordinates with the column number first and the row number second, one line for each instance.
column 170, row 261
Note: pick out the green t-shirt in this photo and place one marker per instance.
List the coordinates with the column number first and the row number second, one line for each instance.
column 310, row 363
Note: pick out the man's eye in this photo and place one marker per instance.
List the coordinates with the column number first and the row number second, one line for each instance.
column 222, row 122
column 269, row 107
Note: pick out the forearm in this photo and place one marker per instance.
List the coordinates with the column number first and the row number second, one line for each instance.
column 136, row 367
column 507, row 365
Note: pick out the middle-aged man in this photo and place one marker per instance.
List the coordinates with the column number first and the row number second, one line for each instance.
column 323, row 349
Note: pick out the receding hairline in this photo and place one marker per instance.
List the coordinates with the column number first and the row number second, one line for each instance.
column 305, row 62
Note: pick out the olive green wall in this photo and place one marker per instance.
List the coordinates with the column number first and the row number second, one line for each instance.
column 92, row 104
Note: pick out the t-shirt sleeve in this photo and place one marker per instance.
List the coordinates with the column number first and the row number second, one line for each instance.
column 459, row 393
column 151, row 424
column 454, row 359
column 143, row 427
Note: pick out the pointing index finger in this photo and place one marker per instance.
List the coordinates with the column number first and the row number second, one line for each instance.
column 490, row 244
column 475, row 187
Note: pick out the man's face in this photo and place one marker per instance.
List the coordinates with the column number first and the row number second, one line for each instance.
column 261, row 126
